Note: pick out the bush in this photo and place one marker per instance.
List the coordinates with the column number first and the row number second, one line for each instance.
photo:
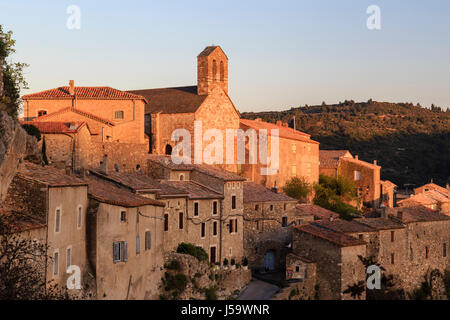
column 32, row 131
column 177, row 282
column 297, row 188
column 190, row 249
column 225, row 262
column 173, row 265
column 233, row 262
column 211, row 293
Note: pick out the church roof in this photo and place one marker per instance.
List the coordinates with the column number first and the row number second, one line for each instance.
column 171, row 100
column 210, row 49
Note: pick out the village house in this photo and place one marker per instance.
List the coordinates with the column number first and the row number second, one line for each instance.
column 58, row 201
column 124, row 242
column 298, row 155
column 308, row 212
column 214, row 210
column 115, row 120
column 431, row 196
column 365, row 176
column 268, row 217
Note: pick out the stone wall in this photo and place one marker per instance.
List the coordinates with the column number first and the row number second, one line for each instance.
column 201, row 276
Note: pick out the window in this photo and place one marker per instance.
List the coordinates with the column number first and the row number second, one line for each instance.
column 299, row 222
column 427, row 252
column 58, row 220
column 271, row 207
column 41, row 113
column 138, row 244
column 357, row 175
column 361, row 237
column 392, row 236
column 284, row 222
column 55, row 263
column 297, row 269
column 180, row 220
column 233, row 226
column 68, row 257
column 166, row 222
column 294, row 148
column 203, row 230
column 181, row 177
column 257, row 224
column 148, row 240
column 222, row 72
column 233, row 202
column 79, row 217
column 119, row 115
column 257, row 207
column 214, row 228
column 120, row 251
column 285, row 206
column 294, row 171
column 444, row 250
column 392, row 258
column 214, row 208
column 214, row 70
column 195, row 209
column 123, row 216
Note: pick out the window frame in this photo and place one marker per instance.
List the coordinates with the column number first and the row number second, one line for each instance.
column 196, row 209
column 119, row 112
column 58, row 219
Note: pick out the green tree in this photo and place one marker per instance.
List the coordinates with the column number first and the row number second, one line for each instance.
column 44, row 152
column 297, row 188
column 13, row 79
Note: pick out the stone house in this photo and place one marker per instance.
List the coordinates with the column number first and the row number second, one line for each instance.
column 65, row 142
column 59, row 201
column 268, row 216
column 336, row 257
column 366, row 176
column 298, row 155
column 115, row 120
column 125, row 242
column 214, row 210
column 431, row 196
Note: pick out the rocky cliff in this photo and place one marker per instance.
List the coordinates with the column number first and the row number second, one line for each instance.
column 15, row 146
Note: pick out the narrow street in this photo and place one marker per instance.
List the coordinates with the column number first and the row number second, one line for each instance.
column 259, row 290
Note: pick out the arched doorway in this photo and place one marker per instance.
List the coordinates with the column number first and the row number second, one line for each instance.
column 269, row 260
column 168, row 150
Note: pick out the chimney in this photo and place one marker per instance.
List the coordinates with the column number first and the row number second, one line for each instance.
column 258, row 119
column 275, row 189
column 279, row 123
column 374, row 162
column 72, row 87
column 104, row 165
column 285, row 124
column 357, row 157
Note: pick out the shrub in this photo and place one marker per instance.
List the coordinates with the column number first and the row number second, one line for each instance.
column 32, row 131
column 173, row 265
column 233, row 262
column 190, row 249
column 297, row 188
column 225, row 262
column 211, row 293
column 176, row 282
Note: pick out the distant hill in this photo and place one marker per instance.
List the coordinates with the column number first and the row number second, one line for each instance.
column 410, row 142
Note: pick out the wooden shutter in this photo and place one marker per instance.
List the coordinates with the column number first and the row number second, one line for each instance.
column 138, row 244
column 125, row 250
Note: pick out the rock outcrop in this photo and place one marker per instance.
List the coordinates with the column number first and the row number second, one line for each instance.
column 15, row 146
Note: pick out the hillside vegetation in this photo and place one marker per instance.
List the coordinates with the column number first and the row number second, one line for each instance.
column 410, row 142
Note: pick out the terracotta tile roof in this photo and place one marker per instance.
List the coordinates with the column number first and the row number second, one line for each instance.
column 107, row 192
column 432, row 186
column 166, row 161
column 195, row 190
column 254, row 192
column 419, row 199
column 18, row 222
column 416, row 214
column 380, row 223
column 171, row 100
column 388, row 184
column 362, row 163
column 78, row 111
column 339, row 238
column 318, row 212
column 48, row 127
column 436, row 195
column 330, row 158
column 139, row 183
column 284, row 132
column 208, row 50
column 102, row 93
column 344, row 226
column 49, row 176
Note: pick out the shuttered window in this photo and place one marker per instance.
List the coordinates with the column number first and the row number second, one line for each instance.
column 58, row 220
column 148, row 240
column 138, row 244
column 120, row 251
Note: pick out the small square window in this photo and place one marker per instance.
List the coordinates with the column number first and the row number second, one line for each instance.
column 123, row 216
column 119, row 115
column 357, row 175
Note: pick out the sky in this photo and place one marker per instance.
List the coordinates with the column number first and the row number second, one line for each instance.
column 283, row 54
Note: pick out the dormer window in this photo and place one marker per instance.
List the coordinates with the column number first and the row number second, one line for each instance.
column 41, row 113
column 119, row 115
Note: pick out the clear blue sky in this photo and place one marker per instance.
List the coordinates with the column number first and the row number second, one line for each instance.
column 282, row 53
